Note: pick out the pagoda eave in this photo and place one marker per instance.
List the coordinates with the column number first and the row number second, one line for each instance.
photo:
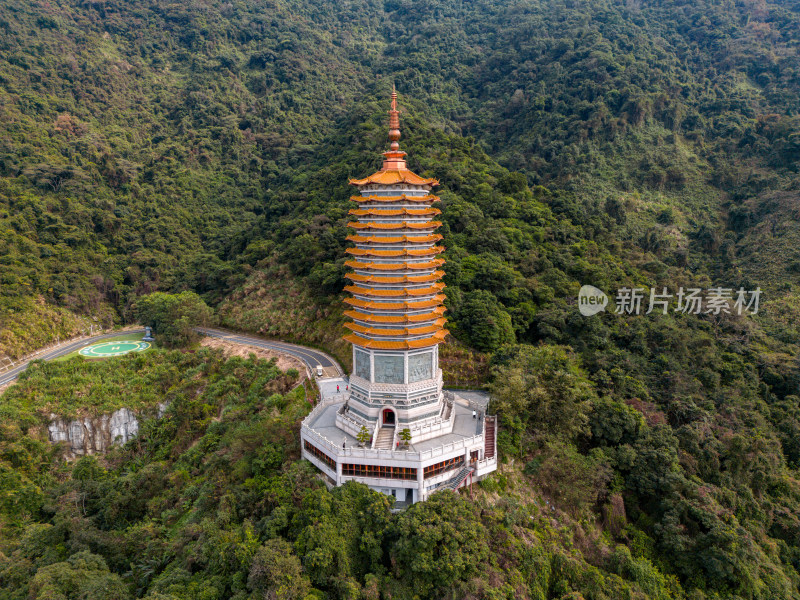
column 436, row 313
column 436, row 275
column 381, row 212
column 401, row 225
column 372, row 266
column 394, row 176
column 392, row 253
column 398, row 239
column 426, row 291
column 374, row 332
column 394, row 199
column 406, row 305
column 434, row 340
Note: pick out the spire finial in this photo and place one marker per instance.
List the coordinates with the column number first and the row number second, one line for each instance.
column 394, row 123
column 393, row 157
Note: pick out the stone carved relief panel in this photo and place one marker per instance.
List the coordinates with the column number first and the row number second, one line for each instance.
column 388, row 369
column 362, row 365
column 420, row 367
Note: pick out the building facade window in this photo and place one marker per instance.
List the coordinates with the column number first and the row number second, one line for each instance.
column 316, row 452
column 379, row 472
column 446, row 465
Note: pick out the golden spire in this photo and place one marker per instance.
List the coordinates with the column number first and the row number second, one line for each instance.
column 394, row 169
column 393, row 158
column 394, row 122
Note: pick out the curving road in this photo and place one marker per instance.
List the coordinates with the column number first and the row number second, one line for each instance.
column 308, row 356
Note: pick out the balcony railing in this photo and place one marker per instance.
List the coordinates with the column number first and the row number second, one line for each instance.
column 441, row 425
column 327, row 445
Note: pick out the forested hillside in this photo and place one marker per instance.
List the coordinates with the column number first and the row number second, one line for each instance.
column 211, row 501
column 148, row 145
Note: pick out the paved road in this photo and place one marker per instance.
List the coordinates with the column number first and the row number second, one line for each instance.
column 309, row 356
column 11, row 375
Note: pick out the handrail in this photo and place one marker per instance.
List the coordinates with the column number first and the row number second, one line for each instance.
column 344, row 416
column 397, row 455
column 374, row 439
column 323, row 403
column 440, row 423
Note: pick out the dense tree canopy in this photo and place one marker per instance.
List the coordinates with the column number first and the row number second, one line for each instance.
column 152, row 151
column 173, row 316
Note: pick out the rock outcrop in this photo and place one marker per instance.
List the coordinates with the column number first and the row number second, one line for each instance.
column 92, row 435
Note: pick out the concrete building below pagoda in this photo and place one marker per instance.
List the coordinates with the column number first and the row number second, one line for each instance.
column 395, row 429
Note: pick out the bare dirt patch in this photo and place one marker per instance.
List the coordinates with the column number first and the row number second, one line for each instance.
column 284, row 361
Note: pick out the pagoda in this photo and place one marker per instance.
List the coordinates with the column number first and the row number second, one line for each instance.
column 397, row 304
column 395, row 429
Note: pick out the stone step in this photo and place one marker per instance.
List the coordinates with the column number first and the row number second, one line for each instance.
column 488, row 448
column 385, row 438
column 458, row 479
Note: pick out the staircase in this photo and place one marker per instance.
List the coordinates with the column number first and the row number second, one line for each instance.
column 385, row 438
column 447, row 410
column 458, row 479
column 488, row 449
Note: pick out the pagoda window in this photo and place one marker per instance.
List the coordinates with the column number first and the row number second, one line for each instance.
column 319, row 454
column 379, row 471
column 446, row 465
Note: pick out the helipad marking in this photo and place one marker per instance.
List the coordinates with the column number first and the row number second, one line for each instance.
column 106, row 349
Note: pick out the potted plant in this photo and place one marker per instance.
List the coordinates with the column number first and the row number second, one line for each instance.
column 363, row 436
column 405, row 435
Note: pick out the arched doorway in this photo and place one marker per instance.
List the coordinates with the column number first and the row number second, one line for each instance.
column 388, row 417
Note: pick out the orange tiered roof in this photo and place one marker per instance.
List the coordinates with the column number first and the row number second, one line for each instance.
column 392, row 176
column 431, row 264
column 402, row 279
column 434, row 302
column 401, row 225
column 437, row 338
column 402, row 198
column 390, row 253
column 377, row 209
column 369, row 318
column 438, row 326
column 396, row 239
column 394, row 212
column 362, row 291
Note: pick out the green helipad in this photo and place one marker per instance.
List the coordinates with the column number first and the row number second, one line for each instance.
column 113, row 348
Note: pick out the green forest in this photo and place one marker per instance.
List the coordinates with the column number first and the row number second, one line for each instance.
column 205, row 147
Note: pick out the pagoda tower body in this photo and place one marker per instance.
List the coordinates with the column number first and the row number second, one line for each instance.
column 395, row 429
column 397, row 305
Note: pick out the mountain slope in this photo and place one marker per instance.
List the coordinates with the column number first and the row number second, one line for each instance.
column 149, row 145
